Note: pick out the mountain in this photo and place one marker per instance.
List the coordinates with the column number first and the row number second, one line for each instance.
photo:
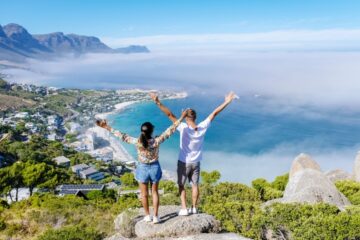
column 17, row 44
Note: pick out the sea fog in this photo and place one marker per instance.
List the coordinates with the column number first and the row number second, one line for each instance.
column 299, row 92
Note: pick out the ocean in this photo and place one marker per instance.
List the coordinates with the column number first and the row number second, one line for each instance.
column 252, row 138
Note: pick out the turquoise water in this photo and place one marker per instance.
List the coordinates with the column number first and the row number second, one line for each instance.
column 248, row 140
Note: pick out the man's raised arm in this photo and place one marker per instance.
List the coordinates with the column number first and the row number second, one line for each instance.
column 228, row 99
column 162, row 107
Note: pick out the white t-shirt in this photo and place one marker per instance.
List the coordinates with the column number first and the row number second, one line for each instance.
column 191, row 141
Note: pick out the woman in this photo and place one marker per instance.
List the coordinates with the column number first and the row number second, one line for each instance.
column 148, row 170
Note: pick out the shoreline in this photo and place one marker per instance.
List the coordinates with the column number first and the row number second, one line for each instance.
column 119, row 151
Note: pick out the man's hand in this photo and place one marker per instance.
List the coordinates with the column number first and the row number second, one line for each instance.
column 230, row 97
column 154, row 97
column 184, row 113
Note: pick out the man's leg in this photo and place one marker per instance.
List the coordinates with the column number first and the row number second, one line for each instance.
column 195, row 195
column 195, row 177
column 181, row 172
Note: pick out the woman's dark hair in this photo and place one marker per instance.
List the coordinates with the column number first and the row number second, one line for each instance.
column 146, row 132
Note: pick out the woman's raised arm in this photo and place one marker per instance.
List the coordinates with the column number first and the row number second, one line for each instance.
column 122, row 136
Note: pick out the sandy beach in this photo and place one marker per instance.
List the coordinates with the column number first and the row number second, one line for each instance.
column 118, row 108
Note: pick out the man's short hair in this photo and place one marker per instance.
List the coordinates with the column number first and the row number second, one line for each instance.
column 191, row 114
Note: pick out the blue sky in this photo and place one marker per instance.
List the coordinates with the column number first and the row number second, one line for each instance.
column 125, row 18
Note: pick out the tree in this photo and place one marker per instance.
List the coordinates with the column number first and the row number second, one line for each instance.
column 211, row 177
column 16, row 177
column 128, row 180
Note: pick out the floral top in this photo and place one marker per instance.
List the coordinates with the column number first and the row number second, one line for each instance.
column 151, row 153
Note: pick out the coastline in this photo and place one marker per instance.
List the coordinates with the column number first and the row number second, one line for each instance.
column 119, row 151
column 118, row 108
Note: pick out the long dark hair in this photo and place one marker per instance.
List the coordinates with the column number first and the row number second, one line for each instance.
column 146, row 133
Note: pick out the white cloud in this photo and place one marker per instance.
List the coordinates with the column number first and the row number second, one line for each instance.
column 329, row 39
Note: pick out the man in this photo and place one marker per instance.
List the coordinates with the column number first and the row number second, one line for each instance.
column 191, row 143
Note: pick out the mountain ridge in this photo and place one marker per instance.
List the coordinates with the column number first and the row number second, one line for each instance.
column 17, row 44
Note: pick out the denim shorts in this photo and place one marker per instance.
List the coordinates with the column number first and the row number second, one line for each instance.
column 148, row 172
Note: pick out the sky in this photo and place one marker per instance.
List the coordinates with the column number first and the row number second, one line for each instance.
column 135, row 18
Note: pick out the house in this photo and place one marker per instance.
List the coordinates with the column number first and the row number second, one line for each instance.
column 79, row 167
column 62, row 161
column 74, row 189
column 91, row 173
column 21, row 115
column 79, row 189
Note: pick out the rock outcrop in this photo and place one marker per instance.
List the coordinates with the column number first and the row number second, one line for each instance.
column 357, row 168
column 307, row 184
column 129, row 225
column 202, row 236
column 337, row 175
column 301, row 162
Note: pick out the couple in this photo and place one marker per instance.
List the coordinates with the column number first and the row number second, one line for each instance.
column 148, row 170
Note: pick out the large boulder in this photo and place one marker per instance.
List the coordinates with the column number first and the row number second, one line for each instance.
column 357, row 168
column 337, row 175
column 307, row 184
column 129, row 224
column 301, row 162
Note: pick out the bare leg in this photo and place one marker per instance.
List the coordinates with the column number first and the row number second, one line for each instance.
column 182, row 194
column 195, row 195
column 155, row 197
column 144, row 197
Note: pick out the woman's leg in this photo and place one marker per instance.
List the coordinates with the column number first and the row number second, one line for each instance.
column 155, row 197
column 144, row 197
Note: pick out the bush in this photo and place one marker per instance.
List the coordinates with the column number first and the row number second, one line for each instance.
column 128, row 180
column 71, row 233
column 211, row 177
column 304, row 221
column 272, row 190
column 350, row 189
column 235, row 205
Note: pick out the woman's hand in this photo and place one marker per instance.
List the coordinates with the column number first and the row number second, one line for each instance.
column 154, row 97
column 103, row 124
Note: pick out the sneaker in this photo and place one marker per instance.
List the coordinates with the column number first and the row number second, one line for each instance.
column 193, row 210
column 147, row 218
column 183, row 212
column 156, row 220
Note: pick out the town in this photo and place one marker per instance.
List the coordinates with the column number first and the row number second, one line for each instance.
column 67, row 116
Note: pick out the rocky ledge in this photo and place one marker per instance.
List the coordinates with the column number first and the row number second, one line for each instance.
column 129, row 225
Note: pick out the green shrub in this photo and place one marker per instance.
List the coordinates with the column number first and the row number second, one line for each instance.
column 210, row 177
column 280, row 182
column 350, row 189
column 235, row 205
column 2, row 224
column 71, row 233
column 304, row 221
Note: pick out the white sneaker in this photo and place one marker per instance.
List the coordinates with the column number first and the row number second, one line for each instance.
column 183, row 212
column 156, row 220
column 147, row 218
column 193, row 211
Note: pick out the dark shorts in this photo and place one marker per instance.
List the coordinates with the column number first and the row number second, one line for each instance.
column 151, row 172
column 190, row 171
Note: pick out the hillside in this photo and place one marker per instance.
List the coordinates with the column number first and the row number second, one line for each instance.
column 11, row 102
column 17, row 44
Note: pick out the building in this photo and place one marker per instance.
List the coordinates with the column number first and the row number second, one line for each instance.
column 79, row 167
column 62, row 161
column 91, row 173
column 79, row 189
column 21, row 115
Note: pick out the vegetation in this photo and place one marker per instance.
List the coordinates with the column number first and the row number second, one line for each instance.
column 351, row 190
